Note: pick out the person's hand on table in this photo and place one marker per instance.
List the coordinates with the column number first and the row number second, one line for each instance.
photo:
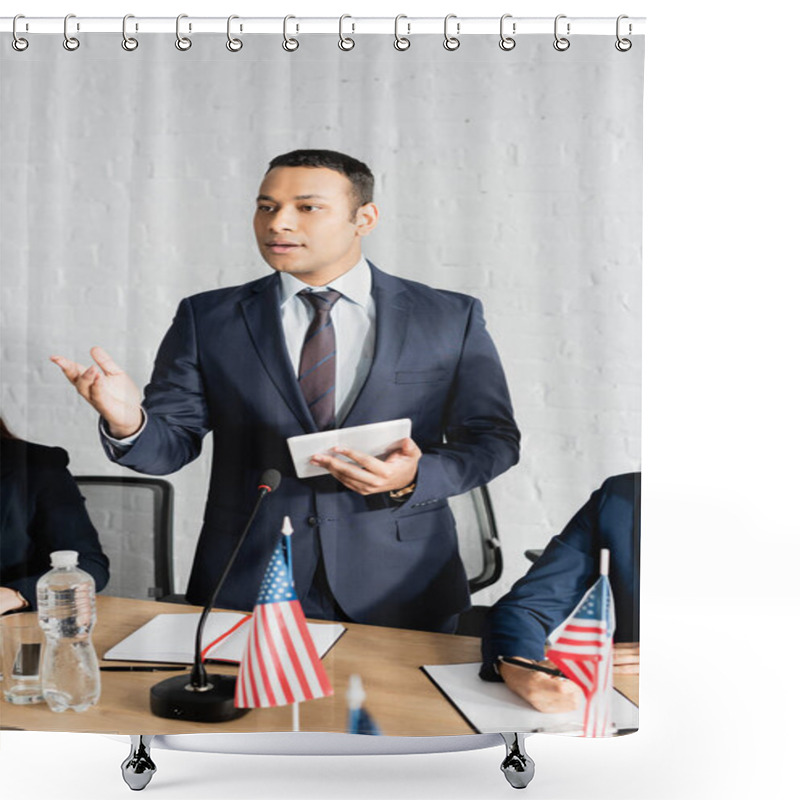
column 370, row 475
column 108, row 389
column 546, row 693
column 10, row 600
column 626, row 658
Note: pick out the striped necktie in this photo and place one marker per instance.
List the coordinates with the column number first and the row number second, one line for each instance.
column 317, row 373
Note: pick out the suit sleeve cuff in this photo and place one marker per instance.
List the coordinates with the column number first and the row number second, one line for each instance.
column 121, row 446
column 511, row 631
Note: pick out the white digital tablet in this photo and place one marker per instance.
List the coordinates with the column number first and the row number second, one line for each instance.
column 376, row 439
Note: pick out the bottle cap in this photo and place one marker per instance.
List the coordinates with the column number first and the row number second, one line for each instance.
column 64, row 558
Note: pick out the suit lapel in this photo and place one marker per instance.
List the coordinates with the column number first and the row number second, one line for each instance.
column 262, row 314
column 392, row 310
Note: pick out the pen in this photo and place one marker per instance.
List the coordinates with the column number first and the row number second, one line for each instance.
column 556, row 673
column 142, row 669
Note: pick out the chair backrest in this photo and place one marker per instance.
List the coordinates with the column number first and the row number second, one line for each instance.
column 133, row 517
column 477, row 537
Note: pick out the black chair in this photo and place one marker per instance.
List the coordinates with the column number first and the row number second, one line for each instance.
column 478, row 543
column 480, row 551
column 133, row 517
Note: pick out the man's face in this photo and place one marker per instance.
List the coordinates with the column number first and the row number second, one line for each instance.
column 305, row 223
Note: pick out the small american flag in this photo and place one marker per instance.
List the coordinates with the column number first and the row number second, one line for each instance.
column 359, row 719
column 280, row 664
column 583, row 651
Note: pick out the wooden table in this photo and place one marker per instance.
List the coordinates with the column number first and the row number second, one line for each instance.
column 399, row 695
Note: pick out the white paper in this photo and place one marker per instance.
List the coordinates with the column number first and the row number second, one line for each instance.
column 377, row 439
column 493, row 708
column 170, row 638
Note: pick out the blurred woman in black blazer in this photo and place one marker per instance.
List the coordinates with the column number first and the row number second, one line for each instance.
column 41, row 510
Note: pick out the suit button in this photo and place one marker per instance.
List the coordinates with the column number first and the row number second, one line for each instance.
column 312, row 521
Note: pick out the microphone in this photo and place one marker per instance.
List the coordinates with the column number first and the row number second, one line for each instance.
column 208, row 698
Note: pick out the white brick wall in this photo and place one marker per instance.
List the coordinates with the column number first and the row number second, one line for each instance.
column 128, row 182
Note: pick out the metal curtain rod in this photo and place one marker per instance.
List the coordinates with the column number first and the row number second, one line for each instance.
column 460, row 26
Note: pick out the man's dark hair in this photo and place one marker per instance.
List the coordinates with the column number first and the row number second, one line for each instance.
column 357, row 172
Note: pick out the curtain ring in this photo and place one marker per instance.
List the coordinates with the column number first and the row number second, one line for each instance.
column 233, row 44
column 561, row 43
column 18, row 43
column 507, row 42
column 70, row 42
column 451, row 42
column 289, row 44
column 401, row 42
column 346, row 42
column 129, row 43
column 623, row 45
column 182, row 42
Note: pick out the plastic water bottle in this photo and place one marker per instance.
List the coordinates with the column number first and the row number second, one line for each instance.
column 70, row 673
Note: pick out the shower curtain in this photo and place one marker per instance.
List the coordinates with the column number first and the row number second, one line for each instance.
column 509, row 176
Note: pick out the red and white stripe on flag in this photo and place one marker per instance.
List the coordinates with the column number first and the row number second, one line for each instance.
column 280, row 664
column 578, row 651
column 583, row 651
column 597, row 716
column 584, row 655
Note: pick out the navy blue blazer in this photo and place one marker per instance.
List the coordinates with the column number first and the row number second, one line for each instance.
column 41, row 510
column 223, row 367
column 519, row 623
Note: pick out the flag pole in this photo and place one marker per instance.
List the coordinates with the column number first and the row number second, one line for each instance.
column 355, row 699
column 603, row 716
column 287, row 531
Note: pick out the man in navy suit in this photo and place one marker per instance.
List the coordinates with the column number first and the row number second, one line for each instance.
column 374, row 539
column 520, row 622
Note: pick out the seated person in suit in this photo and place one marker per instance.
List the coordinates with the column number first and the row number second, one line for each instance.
column 41, row 510
column 520, row 622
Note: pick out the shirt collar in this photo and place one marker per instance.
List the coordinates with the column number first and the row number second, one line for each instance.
column 355, row 284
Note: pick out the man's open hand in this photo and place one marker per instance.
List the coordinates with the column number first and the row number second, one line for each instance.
column 108, row 389
column 370, row 475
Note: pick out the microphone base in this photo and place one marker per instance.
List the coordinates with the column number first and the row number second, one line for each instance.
column 175, row 698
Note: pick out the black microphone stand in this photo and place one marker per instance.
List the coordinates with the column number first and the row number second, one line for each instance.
column 207, row 698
